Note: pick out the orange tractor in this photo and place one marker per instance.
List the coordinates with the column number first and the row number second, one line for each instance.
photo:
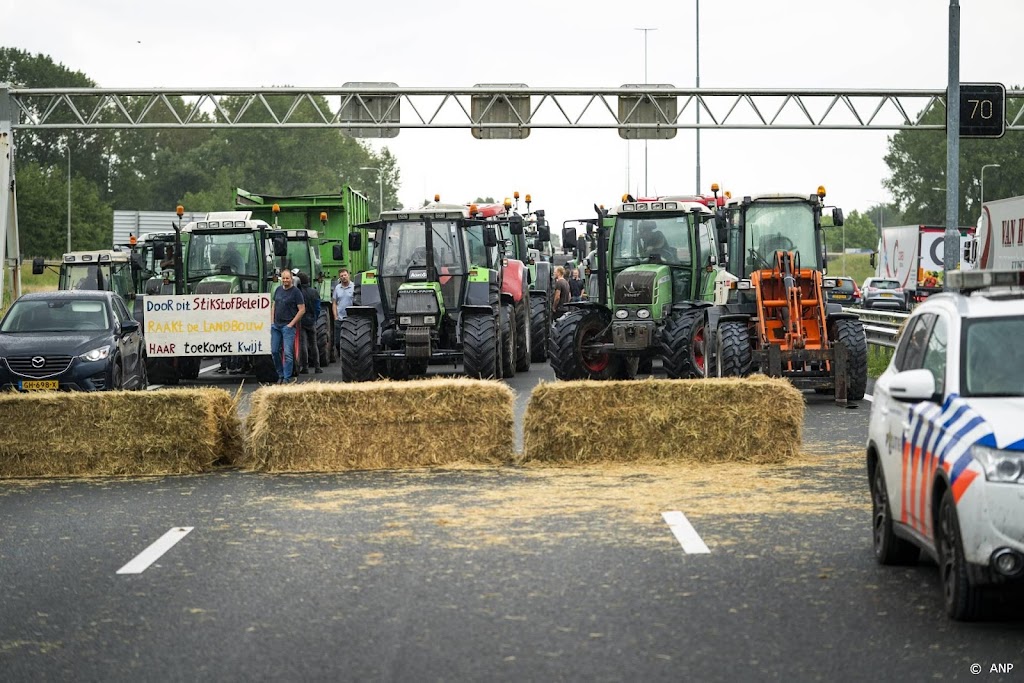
column 774, row 318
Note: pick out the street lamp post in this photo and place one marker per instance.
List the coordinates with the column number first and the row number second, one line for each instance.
column 68, row 143
column 697, row 29
column 380, row 186
column 646, row 31
column 983, row 180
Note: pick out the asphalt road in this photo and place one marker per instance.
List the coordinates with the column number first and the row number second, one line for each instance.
column 511, row 574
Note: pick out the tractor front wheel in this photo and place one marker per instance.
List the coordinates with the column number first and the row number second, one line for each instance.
column 523, row 339
column 508, row 341
column 356, row 336
column 480, row 346
column 323, row 336
column 570, row 349
column 850, row 333
column 682, row 345
column 540, row 325
column 734, row 357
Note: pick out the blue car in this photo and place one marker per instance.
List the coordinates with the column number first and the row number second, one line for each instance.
column 71, row 341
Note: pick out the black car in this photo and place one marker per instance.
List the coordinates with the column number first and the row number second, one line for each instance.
column 71, row 340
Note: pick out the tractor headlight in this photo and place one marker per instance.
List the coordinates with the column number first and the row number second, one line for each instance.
column 1000, row 465
column 430, row 320
column 622, row 313
column 405, row 320
column 643, row 314
column 96, row 354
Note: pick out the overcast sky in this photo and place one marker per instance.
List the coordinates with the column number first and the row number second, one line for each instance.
column 894, row 44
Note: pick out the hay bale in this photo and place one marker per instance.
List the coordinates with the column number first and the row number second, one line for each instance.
column 754, row 419
column 333, row 427
column 67, row 434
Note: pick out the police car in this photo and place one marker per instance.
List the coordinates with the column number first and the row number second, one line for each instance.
column 945, row 452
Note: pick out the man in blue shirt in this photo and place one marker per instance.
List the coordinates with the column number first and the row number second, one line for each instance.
column 343, row 295
column 286, row 312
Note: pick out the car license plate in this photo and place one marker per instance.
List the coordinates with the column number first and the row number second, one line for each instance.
column 840, row 296
column 39, row 384
column 889, row 296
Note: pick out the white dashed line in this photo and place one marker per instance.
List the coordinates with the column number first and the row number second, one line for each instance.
column 153, row 553
column 684, row 533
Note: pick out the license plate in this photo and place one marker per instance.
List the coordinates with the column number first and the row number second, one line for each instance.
column 889, row 296
column 39, row 384
column 840, row 296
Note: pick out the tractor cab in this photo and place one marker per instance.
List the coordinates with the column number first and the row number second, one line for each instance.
column 102, row 270
column 229, row 253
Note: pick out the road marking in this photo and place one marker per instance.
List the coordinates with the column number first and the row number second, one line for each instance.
column 684, row 533
column 153, row 553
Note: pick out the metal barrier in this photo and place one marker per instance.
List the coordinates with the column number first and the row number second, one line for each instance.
column 880, row 327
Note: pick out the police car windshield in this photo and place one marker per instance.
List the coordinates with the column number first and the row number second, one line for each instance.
column 993, row 361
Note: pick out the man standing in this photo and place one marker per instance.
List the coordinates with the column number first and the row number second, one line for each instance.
column 343, row 295
column 308, row 341
column 286, row 312
column 562, row 293
column 576, row 285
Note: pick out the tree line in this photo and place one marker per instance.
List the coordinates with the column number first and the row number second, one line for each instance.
column 153, row 170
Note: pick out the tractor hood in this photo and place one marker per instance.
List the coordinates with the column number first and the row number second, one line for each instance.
column 219, row 284
column 642, row 285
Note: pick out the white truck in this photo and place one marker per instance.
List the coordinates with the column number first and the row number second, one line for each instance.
column 1000, row 236
column 913, row 255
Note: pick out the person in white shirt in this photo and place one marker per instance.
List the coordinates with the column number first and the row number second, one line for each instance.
column 343, row 295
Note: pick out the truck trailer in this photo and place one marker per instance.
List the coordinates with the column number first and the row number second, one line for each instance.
column 1000, row 236
column 913, row 255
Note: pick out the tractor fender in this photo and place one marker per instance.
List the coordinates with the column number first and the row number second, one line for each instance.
column 513, row 280
column 841, row 316
column 690, row 305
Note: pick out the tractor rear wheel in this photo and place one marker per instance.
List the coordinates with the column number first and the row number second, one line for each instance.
column 734, row 357
column 264, row 369
column 540, row 325
column 523, row 335
column 568, row 351
column 508, row 341
column 850, row 333
column 682, row 345
column 357, row 349
column 480, row 346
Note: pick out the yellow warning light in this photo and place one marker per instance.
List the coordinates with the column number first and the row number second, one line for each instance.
column 516, row 195
column 132, row 240
column 472, row 209
column 714, row 187
column 625, row 197
column 180, row 210
column 276, row 208
column 528, row 200
column 821, row 191
column 508, row 202
column 323, row 216
column 437, row 197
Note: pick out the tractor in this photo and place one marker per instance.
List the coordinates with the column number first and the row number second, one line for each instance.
column 773, row 317
column 657, row 261
column 532, row 246
column 434, row 295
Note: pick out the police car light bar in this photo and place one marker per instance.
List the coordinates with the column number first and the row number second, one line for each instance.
column 971, row 280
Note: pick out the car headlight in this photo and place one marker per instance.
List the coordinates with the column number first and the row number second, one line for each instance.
column 96, row 354
column 622, row 313
column 999, row 465
column 643, row 313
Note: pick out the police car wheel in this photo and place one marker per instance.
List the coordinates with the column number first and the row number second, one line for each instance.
column 889, row 548
column 963, row 600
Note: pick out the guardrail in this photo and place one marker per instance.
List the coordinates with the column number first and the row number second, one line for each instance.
column 880, row 327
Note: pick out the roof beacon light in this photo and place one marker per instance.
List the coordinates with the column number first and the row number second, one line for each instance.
column 323, row 217
column 508, row 203
column 473, row 209
column 821, row 191
column 437, row 197
column 516, row 195
column 180, row 211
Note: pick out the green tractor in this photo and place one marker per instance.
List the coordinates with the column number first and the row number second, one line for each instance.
column 434, row 296
column 532, row 246
column 657, row 262
column 228, row 253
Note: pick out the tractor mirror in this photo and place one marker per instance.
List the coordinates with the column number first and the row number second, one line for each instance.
column 138, row 263
column 38, row 265
column 837, row 217
column 158, row 252
column 280, row 243
column 355, row 242
column 543, row 233
column 516, row 225
column 871, row 259
column 490, row 237
column 568, row 238
column 337, row 253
